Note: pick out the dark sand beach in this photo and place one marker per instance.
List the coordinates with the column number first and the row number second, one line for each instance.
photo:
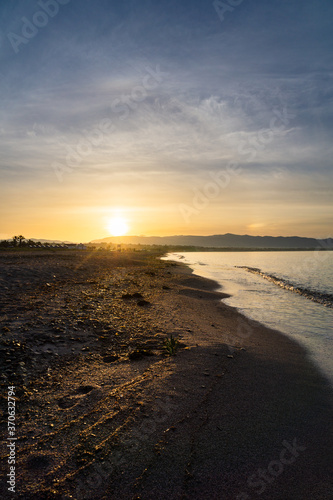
column 103, row 412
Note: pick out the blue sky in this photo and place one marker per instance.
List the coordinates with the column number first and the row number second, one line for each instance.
column 136, row 108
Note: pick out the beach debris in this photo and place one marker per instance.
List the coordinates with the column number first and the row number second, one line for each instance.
column 172, row 428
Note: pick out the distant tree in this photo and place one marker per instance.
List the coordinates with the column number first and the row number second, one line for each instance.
column 17, row 240
column 21, row 239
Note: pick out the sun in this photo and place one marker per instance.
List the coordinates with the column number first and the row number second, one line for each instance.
column 117, row 226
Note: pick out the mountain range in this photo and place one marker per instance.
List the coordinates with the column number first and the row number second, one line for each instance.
column 225, row 241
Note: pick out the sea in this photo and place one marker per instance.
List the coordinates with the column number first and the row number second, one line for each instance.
column 289, row 291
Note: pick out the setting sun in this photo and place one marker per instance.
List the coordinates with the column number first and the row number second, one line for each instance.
column 117, row 226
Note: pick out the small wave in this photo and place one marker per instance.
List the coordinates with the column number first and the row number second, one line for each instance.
column 325, row 299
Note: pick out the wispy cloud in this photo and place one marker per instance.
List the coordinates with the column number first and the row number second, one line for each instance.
column 223, row 85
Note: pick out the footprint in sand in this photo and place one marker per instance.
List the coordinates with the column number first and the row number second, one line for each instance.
column 78, row 396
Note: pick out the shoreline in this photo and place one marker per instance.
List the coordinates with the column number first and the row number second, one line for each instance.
column 201, row 424
column 304, row 315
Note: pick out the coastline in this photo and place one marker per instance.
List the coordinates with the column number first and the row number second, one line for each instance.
column 211, row 422
column 281, row 293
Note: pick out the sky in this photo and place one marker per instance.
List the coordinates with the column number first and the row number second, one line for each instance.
column 174, row 117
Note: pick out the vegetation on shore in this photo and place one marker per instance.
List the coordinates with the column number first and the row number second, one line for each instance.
column 171, row 345
column 20, row 242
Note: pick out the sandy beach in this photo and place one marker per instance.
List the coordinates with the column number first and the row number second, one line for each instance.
column 103, row 412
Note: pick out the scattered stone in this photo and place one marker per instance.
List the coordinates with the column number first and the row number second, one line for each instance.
column 110, row 358
column 139, row 354
column 135, row 295
column 143, row 303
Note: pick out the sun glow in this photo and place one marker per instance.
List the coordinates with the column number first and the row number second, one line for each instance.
column 117, row 226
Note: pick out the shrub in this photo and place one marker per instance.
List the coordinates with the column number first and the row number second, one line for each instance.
column 171, row 345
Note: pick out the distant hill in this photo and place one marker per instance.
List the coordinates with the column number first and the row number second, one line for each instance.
column 224, row 241
column 51, row 241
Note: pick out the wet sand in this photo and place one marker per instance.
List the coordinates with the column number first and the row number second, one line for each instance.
column 103, row 412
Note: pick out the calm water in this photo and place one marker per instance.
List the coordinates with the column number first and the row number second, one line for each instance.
column 288, row 291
